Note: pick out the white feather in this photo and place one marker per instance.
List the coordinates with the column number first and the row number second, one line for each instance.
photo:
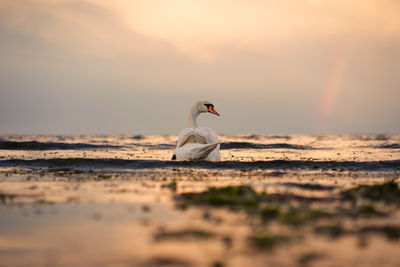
column 195, row 151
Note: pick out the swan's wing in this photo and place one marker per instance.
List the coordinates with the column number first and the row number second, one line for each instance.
column 194, row 151
column 209, row 134
column 189, row 135
column 198, row 143
column 200, row 135
column 212, row 138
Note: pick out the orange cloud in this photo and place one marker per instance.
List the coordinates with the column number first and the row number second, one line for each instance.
column 200, row 28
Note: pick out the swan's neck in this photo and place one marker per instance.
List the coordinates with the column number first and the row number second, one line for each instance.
column 193, row 114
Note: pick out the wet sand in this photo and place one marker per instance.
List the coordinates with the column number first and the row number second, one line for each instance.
column 285, row 200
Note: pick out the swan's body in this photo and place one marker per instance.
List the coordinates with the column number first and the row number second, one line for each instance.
column 195, row 151
column 198, row 143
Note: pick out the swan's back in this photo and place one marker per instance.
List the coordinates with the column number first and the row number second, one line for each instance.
column 201, row 136
column 195, row 151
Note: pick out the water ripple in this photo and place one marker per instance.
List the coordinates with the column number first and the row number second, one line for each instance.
column 388, row 165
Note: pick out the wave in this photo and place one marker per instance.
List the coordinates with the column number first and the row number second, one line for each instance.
column 232, row 145
column 392, row 165
column 34, row 145
column 309, row 186
column 259, row 136
column 155, row 147
column 387, row 146
column 249, row 145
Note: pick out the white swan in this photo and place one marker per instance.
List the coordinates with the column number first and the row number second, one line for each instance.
column 198, row 143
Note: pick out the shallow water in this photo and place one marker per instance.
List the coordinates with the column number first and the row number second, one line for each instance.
column 117, row 200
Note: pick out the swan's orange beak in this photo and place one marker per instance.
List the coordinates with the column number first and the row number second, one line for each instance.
column 212, row 110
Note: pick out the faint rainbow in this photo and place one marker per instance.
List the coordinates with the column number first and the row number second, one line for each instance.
column 332, row 84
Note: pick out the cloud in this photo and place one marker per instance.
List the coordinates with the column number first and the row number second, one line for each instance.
column 71, row 65
column 202, row 28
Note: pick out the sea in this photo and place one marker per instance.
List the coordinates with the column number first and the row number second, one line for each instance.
column 119, row 200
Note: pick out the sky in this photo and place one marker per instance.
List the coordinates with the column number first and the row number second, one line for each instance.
column 137, row 66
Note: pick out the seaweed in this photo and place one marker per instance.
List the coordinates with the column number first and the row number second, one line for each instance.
column 267, row 242
column 217, row 264
column 391, row 232
column 269, row 213
column 294, row 216
column 307, row 258
column 300, row 215
column 333, row 230
column 163, row 235
column 245, row 198
column 105, row 176
column 387, row 192
column 166, row 261
column 365, row 211
column 172, row 185
column 235, row 197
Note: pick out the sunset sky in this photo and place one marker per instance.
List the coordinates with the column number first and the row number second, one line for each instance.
column 129, row 67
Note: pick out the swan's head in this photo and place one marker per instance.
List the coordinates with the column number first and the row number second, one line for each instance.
column 205, row 106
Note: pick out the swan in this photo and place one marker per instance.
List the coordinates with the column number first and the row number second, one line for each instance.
column 198, row 143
